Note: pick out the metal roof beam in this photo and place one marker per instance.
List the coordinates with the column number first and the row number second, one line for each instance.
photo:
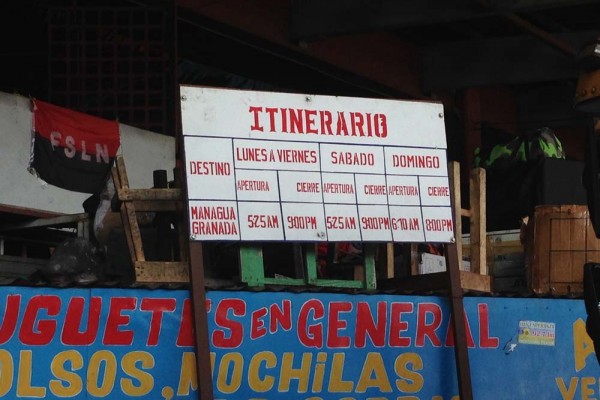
column 314, row 19
column 505, row 61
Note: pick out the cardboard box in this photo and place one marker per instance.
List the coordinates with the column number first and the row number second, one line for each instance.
column 560, row 240
column 431, row 263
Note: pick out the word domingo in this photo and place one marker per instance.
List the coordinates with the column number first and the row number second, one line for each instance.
column 325, row 373
column 71, row 147
column 415, row 161
column 99, row 374
column 318, row 122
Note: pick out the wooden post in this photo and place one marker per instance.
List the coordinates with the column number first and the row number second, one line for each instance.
column 454, row 177
column 203, row 365
column 478, row 226
column 461, row 351
column 390, row 258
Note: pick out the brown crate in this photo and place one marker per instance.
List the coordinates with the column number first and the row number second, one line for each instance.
column 560, row 240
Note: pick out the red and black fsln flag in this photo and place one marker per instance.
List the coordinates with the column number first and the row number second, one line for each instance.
column 72, row 150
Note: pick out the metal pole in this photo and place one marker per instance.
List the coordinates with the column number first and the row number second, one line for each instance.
column 196, row 262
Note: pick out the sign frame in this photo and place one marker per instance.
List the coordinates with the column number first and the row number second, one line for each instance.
column 312, row 156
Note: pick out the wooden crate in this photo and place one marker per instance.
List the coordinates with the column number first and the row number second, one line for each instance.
column 560, row 240
column 498, row 245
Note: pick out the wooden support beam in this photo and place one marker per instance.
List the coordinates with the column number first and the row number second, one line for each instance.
column 436, row 282
column 390, row 258
column 461, row 351
column 203, row 363
column 161, row 271
column 477, row 205
column 457, row 210
column 158, row 206
column 127, row 194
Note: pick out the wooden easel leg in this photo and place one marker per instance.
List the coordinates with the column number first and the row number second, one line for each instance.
column 203, row 365
column 461, row 353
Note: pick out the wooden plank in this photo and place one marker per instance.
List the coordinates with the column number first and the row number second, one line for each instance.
column 414, row 259
column 495, row 249
column 134, row 229
column 390, row 256
column 126, row 194
column 116, row 178
column 162, row 272
column 251, row 265
column 540, row 267
column 359, row 272
column 284, row 281
column 158, row 206
column 201, row 335
column 437, row 281
column 128, row 217
column 122, row 173
column 338, row 283
column 475, row 282
column 128, row 234
column 454, row 178
column 461, row 351
column 505, row 247
column 477, row 205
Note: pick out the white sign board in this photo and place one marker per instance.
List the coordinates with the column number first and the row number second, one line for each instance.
column 265, row 166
